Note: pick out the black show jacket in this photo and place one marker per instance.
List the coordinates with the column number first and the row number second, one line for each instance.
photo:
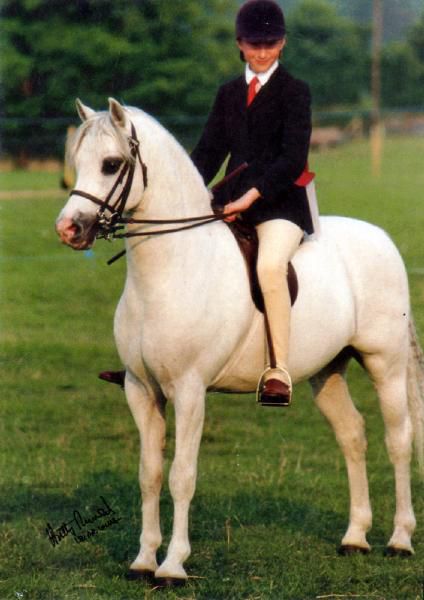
column 272, row 135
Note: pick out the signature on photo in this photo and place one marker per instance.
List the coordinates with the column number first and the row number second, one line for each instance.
column 83, row 527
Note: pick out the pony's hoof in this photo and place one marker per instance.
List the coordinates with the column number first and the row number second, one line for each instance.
column 140, row 575
column 391, row 551
column 349, row 549
column 167, row 582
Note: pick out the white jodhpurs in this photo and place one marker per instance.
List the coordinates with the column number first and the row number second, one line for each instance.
column 278, row 241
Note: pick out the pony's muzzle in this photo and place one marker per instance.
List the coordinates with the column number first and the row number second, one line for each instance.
column 77, row 232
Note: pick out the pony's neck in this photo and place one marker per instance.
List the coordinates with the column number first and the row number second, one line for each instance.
column 175, row 188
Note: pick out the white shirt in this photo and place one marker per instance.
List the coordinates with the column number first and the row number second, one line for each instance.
column 263, row 77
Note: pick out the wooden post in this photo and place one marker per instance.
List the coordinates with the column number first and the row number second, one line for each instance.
column 377, row 131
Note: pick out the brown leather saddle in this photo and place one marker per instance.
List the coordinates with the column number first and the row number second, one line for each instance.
column 247, row 239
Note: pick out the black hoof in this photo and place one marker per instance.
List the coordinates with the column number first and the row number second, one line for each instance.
column 170, row 582
column 141, row 575
column 391, row 551
column 349, row 549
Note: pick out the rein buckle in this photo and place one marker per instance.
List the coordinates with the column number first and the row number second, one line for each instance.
column 133, row 143
column 107, row 226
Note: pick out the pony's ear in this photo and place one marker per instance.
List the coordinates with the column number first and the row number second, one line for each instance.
column 84, row 112
column 117, row 113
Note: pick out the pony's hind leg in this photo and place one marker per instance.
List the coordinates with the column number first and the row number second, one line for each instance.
column 148, row 411
column 333, row 399
column 389, row 375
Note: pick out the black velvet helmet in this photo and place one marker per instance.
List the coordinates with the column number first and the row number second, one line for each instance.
column 260, row 21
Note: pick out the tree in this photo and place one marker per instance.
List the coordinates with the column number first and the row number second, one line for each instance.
column 403, row 70
column 398, row 15
column 416, row 39
column 327, row 51
column 166, row 57
column 403, row 77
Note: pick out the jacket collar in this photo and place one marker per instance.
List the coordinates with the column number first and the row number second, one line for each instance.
column 263, row 77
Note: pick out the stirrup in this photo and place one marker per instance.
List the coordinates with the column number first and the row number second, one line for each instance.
column 261, row 384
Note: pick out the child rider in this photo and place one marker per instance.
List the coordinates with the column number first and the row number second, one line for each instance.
column 263, row 118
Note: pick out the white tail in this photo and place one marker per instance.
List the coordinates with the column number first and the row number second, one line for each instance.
column 416, row 392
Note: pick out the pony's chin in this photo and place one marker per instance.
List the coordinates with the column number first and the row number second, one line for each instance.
column 77, row 243
column 80, row 245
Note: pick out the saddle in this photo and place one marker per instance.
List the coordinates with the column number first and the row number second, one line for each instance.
column 248, row 242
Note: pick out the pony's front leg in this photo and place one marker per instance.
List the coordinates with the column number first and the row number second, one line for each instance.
column 148, row 411
column 189, row 402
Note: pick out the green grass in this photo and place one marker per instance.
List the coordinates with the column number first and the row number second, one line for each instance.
column 271, row 504
column 29, row 180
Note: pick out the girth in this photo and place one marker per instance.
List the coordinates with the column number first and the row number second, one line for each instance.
column 248, row 242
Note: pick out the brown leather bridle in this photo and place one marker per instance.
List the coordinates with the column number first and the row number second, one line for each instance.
column 107, row 225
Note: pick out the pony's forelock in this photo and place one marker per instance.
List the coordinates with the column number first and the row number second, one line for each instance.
column 99, row 125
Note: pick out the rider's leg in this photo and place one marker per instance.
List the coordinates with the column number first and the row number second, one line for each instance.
column 278, row 241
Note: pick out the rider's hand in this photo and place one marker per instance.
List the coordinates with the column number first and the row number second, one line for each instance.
column 232, row 209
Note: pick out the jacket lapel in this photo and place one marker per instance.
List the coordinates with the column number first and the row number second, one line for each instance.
column 276, row 82
column 240, row 95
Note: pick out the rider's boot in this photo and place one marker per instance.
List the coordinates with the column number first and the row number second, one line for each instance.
column 117, row 377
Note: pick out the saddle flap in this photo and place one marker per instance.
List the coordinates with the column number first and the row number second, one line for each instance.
column 247, row 239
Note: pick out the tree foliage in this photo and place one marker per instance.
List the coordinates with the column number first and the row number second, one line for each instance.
column 326, row 50
column 164, row 56
column 398, row 15
column 416, row 39
column 403, row 69
column 169, row 56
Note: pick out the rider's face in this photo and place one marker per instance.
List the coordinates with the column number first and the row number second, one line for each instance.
column 261, row 56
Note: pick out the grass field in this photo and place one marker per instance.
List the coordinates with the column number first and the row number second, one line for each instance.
column 271, row 503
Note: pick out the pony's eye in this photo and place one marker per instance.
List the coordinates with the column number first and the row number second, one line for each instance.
column 110, row 166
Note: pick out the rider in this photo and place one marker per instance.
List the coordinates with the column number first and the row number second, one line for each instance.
column 264, row 118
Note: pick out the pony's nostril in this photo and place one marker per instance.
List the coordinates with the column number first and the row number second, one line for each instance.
column 65, row 227
column 81, row 227
column 77, row 229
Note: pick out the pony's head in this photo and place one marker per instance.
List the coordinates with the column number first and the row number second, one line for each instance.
column 109, row 175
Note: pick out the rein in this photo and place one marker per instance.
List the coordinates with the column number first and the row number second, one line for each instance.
column 109, row 225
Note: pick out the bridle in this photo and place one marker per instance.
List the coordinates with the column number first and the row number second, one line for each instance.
column 108, row 225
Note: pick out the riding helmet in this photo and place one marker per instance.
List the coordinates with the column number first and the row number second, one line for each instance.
column 260, row 21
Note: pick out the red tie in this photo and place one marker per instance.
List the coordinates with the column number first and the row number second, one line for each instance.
column 252, row 91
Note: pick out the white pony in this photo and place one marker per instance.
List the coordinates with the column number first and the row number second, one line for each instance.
column 186, row 324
